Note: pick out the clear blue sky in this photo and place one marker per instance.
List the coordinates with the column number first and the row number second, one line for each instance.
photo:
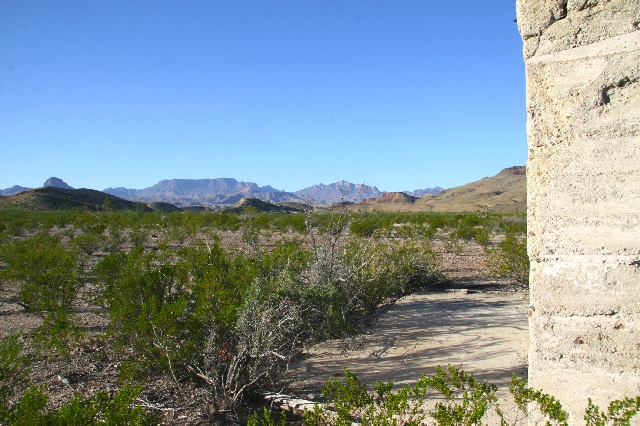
column 401, row 94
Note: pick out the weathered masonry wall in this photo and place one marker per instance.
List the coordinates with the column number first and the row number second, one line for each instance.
column 583, row 105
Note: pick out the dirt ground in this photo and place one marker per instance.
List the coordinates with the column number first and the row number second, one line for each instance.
column 479, row 325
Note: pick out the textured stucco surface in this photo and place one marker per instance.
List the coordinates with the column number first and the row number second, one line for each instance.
column 583, row 105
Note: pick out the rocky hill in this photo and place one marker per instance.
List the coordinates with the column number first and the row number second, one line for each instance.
column 54, row 198
column 264, row 206
column 52, row 181
column 506, row 191
column 391, row 198
column 203, row 192
column 57, row 183
column 213, row 193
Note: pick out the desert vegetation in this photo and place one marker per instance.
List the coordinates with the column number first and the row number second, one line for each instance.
column 207, row 306
column 462, row 401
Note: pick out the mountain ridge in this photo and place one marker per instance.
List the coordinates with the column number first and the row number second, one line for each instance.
column 56, row 198
column 505, row 191
column 206, row 192
column 221, row 192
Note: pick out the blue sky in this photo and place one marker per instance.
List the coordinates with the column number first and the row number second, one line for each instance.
column 401, row 94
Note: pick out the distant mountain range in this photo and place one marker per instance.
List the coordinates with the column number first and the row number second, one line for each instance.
column 338, row 192
column 505, row 191
column 422, row 192
column 203, row 192
column 51, row 182
column 13, row 190
column 228, row 191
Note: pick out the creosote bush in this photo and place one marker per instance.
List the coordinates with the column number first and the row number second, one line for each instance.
column 509, row 258
column 49, row 277
column 21, row 404
column 463, row 401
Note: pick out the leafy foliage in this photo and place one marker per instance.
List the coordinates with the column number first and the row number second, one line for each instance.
column 13, row 371
column 49, row 276
column 267, row 419
column 454, row 384
column 29, row 409
column 510, row 259
column 619, row 413
column 466, row 402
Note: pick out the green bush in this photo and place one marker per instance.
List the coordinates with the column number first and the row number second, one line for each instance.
column 509, row 259
column 354, row 403
column 463, row 401
column 267, row 419
column 619, row 413
column 49, row 276
column 29, row 409
column 149, row 310
column 14, row 369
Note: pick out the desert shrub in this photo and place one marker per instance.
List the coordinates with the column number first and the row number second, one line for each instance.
column 187, row 307
column 354, row 403
column 525, row 397
column 49, row 273
column 514, row 223
column 19, row 223
column 114, row 238
column 367, row 225
column 509, row 259
column 471, row 227
column 619, row 413
column 88, row 243
column 463, row 401
column 410, row 230
column 137, row 235
column 289, row 222
column 148, row 308
column 14, row 369
column 29, row 409
column 294, row 295
column 267, row 419
column 352, row 275
column 49, row 277
column 376, row 271
column 122, row 409
column 88, row 221
column 243, row 359
column 78, row 411
column 163, row 305
column 49, row 219
column 454, row 384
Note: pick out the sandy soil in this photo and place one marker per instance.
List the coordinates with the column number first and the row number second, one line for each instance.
column 482, row 332
column 479, row 325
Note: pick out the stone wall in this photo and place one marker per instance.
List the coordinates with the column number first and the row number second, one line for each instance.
column 583, row 104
